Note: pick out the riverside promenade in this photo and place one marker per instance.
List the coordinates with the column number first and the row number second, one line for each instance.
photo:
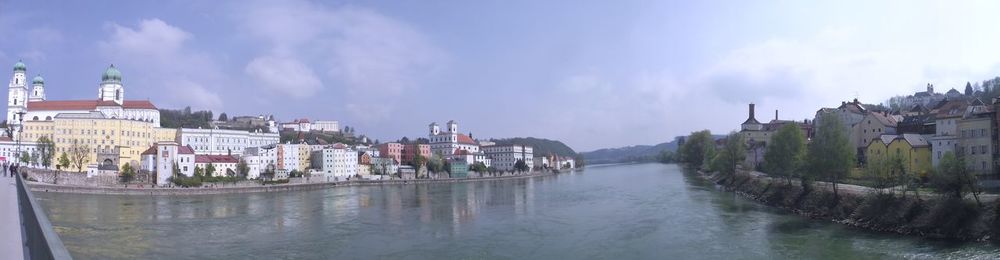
column 11, row 240
column 207, row 190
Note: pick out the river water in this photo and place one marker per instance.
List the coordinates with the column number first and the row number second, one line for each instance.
column 644, row 211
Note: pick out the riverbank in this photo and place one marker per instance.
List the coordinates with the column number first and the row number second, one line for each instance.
column 46, row 187
column 925, row 216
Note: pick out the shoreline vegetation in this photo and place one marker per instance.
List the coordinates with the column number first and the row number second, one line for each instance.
column 821, row 179
column 207, row 190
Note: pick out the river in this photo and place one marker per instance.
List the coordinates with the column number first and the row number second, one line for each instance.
column 642, row 211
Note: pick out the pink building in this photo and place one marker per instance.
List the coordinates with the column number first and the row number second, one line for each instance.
column 410, row 151
column 391, row 150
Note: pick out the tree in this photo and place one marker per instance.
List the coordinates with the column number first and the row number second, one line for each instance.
column 127, row 173
column 521, row 166
column 952, row 178
column 786, row 154
column 831, row 155
column 698, row 146
column 732, row 154
column 885, row 173
column 199, row 172
column 968, row 89
column 45, row 150
column 79, row 154
column 63, row 161
column 666, row 156
column 25, row 157
column 242, row 168
column 210, row 170
column 223, row 117
column 479, row 167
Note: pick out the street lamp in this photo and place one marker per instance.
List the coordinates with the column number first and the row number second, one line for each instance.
column 20, row 128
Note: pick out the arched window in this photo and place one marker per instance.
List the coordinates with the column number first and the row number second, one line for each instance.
column 118, row 94
column 35, row 118
column 48, row 118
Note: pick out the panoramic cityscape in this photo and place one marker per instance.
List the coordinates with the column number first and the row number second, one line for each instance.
column 500, row 130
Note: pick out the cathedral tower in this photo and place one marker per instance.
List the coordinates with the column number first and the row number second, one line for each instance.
column 38, row 89
column 111, row 86
column 17, row 94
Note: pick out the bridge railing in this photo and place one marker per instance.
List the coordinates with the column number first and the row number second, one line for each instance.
column 40, row 239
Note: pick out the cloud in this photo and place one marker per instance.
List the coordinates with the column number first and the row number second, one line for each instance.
column 285, row 75
column 157, row 61
column 358, row 52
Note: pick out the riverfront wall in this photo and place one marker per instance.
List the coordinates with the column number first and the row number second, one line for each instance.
column 252, row 187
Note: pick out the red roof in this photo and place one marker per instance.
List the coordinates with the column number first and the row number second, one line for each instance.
column 180, row 150
column 88, row 105
column 465, row 139
column 215, row 159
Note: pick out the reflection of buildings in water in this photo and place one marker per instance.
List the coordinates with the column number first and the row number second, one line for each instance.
column 465, row 208
column 424, row 202
column 394, row 205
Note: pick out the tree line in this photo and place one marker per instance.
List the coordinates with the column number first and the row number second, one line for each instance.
column 828, row 157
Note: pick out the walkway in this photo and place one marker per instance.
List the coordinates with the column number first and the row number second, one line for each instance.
column 11, row 243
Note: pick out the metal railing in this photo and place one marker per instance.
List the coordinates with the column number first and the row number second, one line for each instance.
column 40, row 239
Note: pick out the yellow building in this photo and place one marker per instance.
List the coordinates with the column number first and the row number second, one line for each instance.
column 913, row 149
column 102, row 137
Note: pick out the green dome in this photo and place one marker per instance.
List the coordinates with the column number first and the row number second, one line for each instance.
column 38, row 80
column 112, row 74
column 19, row 66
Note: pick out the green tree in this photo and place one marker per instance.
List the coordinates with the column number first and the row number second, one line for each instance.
column 479, row 167
column 199, row 172
column 666, row 156
column 786, row 154
column 25, row 157
column 952, row 178
column 727, row 160
column 127, row 173
column 698, row 146
column 63, row 161
column 223, row 117
column 242, row 168
column 885, row 173
column 46, row 149
column 210, row 170
column 831, row 155
column 521, row 166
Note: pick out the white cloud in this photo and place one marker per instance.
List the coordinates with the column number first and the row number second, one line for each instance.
column 156, row 62
column 285, row 75
column 359, row 51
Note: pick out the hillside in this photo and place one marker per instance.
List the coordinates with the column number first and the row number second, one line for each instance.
column 541, row 146
column 636, row 153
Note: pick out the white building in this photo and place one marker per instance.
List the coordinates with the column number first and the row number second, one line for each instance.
column 161, row 157
column 110, row 100
column 259, row 159
column 337, row 160
column 446, row 143
column 222, row 141
column 505, row 156
column 9, row 149
column 326, row 126
column 224, row 165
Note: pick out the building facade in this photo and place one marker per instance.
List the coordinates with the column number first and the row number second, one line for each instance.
column 504, row 157
column 337, row 160
column 222, row 141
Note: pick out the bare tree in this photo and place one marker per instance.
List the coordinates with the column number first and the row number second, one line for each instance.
column 78, row 154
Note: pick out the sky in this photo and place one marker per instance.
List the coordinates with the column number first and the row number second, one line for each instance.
column 593, row 74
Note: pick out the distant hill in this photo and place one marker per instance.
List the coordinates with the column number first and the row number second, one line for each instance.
column 185, row 118
column 541, row 146
column 635, row 153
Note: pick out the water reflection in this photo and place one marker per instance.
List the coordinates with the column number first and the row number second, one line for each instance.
column 626, row 211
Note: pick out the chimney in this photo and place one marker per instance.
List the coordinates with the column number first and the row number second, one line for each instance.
column 775, row 115
column 751, row 111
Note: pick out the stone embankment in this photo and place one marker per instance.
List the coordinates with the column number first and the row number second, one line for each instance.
column 927, row 215
column 223, row 189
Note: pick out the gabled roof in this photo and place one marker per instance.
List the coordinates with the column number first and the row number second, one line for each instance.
column 180, row 150
column 465, row 139
column 886, row 139
column 87, row 105
column 205, row 158
column 952, row 108
column 915, row 140
column 883, row 119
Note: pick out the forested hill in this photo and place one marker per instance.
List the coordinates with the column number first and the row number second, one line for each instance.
column 542, row 147
column 636, row 153
column 185, row 118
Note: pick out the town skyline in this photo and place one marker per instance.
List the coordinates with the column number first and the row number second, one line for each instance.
column 625, row 78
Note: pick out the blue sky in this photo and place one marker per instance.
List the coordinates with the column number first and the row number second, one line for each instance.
column 594, row 74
